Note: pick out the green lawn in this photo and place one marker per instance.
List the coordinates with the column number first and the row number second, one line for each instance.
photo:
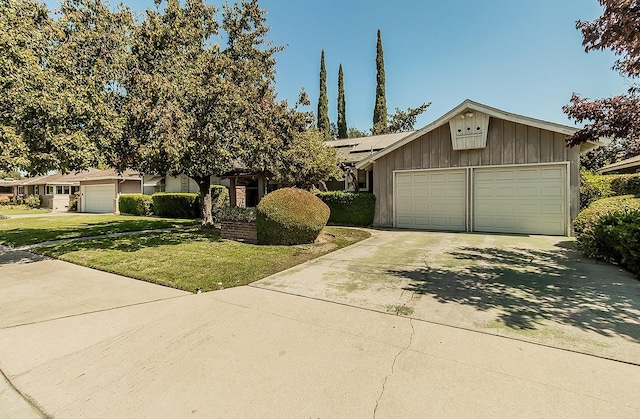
column 21, row 209
column 195, row 259
column 23, row 231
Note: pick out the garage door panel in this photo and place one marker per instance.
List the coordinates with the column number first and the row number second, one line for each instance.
column 99, row 198
column 529, row 200
column 432, row 200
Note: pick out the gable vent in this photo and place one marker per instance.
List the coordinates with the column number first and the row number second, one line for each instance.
column 469, row 130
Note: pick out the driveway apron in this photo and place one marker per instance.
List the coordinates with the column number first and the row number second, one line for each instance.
column 531, row 288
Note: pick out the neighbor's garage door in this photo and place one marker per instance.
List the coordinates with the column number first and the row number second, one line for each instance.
column 431, row 200
column 529, row 200
column 98, row 198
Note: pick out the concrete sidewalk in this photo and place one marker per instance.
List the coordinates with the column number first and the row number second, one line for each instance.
column 82, row 343
column 247, row 352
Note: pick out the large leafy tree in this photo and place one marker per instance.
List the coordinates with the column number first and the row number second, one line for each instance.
column 380, row 107
column 323, row 102
column 196, row 107
column 616, row 117
column 58, row 79
column 342, row 106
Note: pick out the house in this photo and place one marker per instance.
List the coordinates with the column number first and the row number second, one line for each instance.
column 631, row 165
column 55, row 190
column 478, row 168
column 100, row 189
column 97, row 190
column 353, row 150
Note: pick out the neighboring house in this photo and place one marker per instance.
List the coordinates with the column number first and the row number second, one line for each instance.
column 56, row 190
column 100, row 190
column 478, row 168
column 97, row 190
column 631, row 165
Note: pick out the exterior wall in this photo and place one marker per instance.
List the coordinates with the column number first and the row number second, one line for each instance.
column 182, row 183
column 508, row 143
column 130, row 186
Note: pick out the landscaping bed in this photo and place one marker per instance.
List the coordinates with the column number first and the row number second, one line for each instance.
column 195, row 259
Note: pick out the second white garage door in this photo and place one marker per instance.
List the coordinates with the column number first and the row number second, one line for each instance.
column 98, row 198
column 525, row 200
column 431, row 200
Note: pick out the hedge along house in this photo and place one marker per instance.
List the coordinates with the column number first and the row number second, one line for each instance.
column 481, row 169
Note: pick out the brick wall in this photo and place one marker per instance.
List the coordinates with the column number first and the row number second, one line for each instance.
column 239, row 230
column 241, row 196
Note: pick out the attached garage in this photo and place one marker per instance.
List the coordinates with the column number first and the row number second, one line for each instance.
column 98, row 198
column 432, row 200
column 481, row 169
column 101, row 190
column 521, row 199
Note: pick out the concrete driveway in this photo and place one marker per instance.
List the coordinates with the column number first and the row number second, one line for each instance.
column 536, row 288
column 99, row 345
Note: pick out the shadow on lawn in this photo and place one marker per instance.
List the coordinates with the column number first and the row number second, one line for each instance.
column 131, row 243
column 26, row 235
column 529, row 286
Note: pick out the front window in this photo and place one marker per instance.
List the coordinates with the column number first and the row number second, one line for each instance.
column 36, row 190
column 63, row 190
column 20, row 190
column 50, row 190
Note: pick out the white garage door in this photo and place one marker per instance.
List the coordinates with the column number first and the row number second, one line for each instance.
column 431, row 200
column 527, row 200
column 98, row 198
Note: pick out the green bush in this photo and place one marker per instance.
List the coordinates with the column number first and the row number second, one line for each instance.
column 33, row 201
column 290, row 216
column 136, row 204
column 73, row 204
column 586, row 222
column 5, row 200
column 625, row 184
column 349, row 207
column 176, row 205
column 219, row 199
column 593, row 187
column 617, row 238
column 237, row 214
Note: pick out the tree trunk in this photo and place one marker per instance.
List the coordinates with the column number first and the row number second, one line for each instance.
column 204, row 183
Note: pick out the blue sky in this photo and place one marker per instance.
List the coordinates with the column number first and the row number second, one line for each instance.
column 520, row 56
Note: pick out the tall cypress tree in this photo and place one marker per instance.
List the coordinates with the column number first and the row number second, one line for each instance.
column 380, row 109
column 342, row 106
column 323, row 103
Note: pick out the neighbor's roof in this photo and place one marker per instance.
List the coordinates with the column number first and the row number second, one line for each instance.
column 74, row 178
column 622, row 164
column 352, row 150
column 479, row 107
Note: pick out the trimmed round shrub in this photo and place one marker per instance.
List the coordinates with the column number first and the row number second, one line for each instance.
column 176, row 205
column 290, row 216
column 349, row 207
column 586, row 222
column 136, row 204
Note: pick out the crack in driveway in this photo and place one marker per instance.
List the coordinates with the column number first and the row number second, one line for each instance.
column 393, row 365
